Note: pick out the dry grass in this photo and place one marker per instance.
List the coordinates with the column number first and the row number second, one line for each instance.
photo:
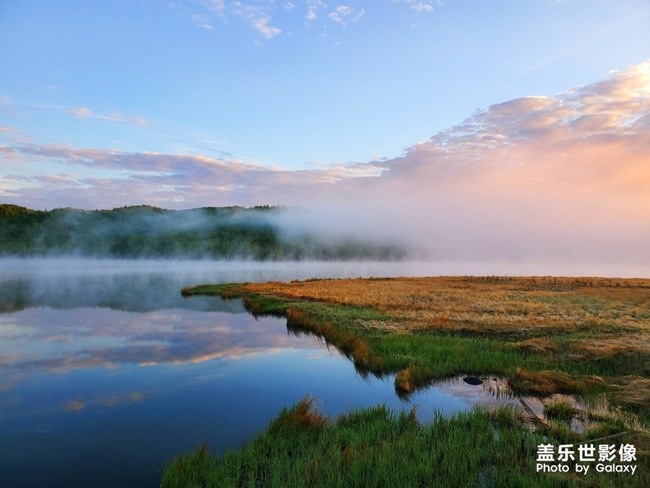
column 611, row 345
column 491, row 305
column 404, row 380
column 538, row 345
column 635, row 390
column 303, row 415
column 351, row 344
column 546, row 383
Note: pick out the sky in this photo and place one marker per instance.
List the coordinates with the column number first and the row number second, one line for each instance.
column 523, row 123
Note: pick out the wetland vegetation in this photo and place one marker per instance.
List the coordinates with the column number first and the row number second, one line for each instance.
column 585, row 337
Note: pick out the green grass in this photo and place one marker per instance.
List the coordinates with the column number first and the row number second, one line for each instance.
column 560, row 409
column 374, row 447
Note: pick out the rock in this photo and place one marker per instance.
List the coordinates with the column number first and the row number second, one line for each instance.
column 473, row 380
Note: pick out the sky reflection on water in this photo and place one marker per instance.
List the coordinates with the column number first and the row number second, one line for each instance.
column 106, row 373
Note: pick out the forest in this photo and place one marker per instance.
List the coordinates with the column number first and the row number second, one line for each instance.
column 144, row 231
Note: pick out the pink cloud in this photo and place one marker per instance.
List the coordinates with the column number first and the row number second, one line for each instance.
column 81, row 112
column 117, row 117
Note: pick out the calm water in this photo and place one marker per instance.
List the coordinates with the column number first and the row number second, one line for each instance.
column 106, row 371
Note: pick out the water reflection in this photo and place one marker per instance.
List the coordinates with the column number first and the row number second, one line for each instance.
column 133, row 292
column 50, row 340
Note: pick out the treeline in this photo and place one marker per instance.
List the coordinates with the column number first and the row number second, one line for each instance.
column 151, row 232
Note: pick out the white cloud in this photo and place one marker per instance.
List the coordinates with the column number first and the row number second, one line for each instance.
column 313, row 6
column 418, row 6
column 422, row 7
column 258, row 16
column 261, row 14
column 117, row 117
column 124, row 119
column 81, row 112
column 345, row 15
column 261, row 25
column 202, row 21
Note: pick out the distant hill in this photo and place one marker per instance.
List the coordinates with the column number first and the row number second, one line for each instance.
column 151, row 232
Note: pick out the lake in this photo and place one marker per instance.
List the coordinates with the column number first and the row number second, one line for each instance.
column 106, row 372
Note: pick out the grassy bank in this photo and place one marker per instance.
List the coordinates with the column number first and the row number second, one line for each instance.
column 546, row 335
column 373, row 447
column 589, row 337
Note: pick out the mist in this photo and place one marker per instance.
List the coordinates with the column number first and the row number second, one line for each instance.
column 258, row 233
column 554, row 180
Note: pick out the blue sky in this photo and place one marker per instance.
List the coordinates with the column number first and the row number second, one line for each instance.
column 292, row 84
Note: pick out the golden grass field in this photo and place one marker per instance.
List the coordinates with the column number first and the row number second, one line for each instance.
column 593, row 321
column 612, row 314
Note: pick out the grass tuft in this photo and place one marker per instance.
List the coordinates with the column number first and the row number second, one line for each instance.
column 303, row 415
column 404, row 380
column 635, row 391
column 544, row 382
column 559, row 409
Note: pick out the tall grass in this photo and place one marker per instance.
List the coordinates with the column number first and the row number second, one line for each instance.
column 375, row 447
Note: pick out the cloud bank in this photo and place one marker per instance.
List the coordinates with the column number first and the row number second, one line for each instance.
column 563, row 177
